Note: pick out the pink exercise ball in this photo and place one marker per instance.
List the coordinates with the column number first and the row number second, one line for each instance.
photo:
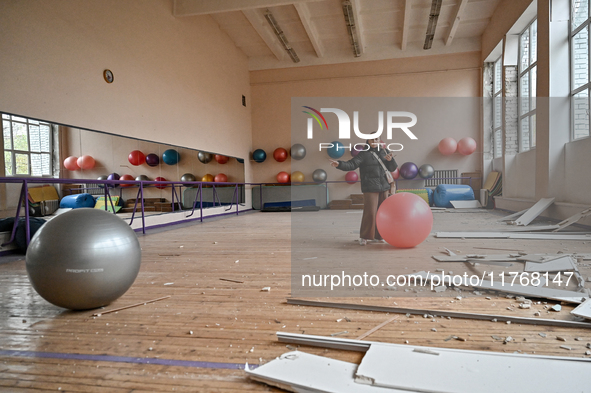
column 85, row 162
column 447, row 146
column 351, row 177
column 220, row 178
column 71, row 163
column 396, row 174
column 404, row 220
column 466, row 146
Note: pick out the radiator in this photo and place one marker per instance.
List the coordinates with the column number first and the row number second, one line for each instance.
column 49, row 207
column 94, row 189
column 445, row 176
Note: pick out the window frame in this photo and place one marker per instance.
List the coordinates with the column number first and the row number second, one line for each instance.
column 10, row 118
column 497, row 93
column 527, row 72
column 586, row 86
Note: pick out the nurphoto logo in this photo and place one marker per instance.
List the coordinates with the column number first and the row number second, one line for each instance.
column 392, row 120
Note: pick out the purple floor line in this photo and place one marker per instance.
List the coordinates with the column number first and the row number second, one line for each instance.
column 124, row 359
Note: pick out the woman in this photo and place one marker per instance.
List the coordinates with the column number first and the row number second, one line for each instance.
column 374, row 184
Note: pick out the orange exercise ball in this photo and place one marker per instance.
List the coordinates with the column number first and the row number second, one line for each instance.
column 283, row 177
column 71, row 163
column 280, row 154
column 136, row 158
column 85, row 162
column 126, row 177
column 447, row 146
column 220, row 178
column 404, row 220
column 221, row 159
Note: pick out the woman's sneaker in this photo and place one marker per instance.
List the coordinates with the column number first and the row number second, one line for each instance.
column 362, row 242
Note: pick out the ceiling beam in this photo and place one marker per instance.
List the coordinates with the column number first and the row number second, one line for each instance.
column 259, row 23
column 304, row 14
column 206, row 7
column 358, row 25
column 405, row 24
column 456, row 21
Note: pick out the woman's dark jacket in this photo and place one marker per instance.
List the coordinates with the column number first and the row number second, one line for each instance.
column 373, row 176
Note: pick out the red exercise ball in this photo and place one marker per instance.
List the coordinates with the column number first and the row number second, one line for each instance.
column 221, row 159
column 160, row 186
column 85, row 162
column 351, row 177
column 71, row 163
column 447, row 146
column 283, row 177
column 466, row 146
column 396, row 174
column 220, row 178
column 126, row 177
column 404, row 220
column 136, row 158
column 280, row 154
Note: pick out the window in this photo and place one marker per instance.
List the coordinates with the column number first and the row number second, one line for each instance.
column 497, row 108
column 528, row 61
column 579, row 43
column 27, row 146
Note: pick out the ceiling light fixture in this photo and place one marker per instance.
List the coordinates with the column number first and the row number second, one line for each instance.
column 433, row 16
column 279, row 33
column 351, row 27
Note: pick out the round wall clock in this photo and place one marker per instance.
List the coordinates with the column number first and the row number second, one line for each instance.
column 108, row 75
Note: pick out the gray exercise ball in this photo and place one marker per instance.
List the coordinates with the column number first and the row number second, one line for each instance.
column 101, row 178
column 319, row 176
column 188, row 177
column 426, row 171
column 142, row 178
column 83, row 259
column 298, row 151
column 204, row 157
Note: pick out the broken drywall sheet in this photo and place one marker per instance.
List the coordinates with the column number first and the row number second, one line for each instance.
column 466, row 204
column 513, row 235
column 534, row 211
column 584, row 310
column 513, row 216
column 305, row 373
column 509, row 287
column 426, row 369
column 563, row 264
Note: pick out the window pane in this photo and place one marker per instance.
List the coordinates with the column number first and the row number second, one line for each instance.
column 20, row 136
column 498, row 76
column 534, row 79
column 534, row 42
column 524, row 50
column 5, row 116
column 22, row 164
column 35, row 136
column 532, row 123
column 524, row 94
column 524, row 133
column 45, row 135
column 16, row 118
column 580, row 58
column 8, row 163
column 579, row 12
column 497, row 111
column 498, row 149
column 36, row 169
column 581, row 115
column 45, row 164
column 6, row 132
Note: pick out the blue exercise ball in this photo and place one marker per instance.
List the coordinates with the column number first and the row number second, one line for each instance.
column 240, row 160
column 319, row 176
column 171, row 157
column 83, row 259
column 337, row 150
column 259, row 155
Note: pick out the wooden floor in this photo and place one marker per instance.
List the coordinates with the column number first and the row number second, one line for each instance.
column 215, row 325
